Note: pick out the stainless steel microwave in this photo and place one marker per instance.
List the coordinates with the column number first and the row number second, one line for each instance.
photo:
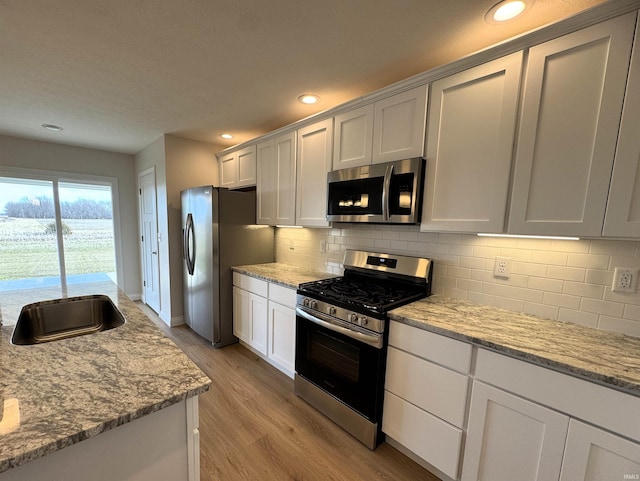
column 389, row 193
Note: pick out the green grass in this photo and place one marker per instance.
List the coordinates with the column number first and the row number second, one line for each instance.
column 26, row 251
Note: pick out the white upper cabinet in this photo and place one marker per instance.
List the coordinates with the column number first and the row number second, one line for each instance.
column 387, row 130
column 267, row 185
column 399, row 125
column 313, row 163
column 238, row 169
column 623, row 209
column 276, row 185
column 470, row 137
column 353, row 138
column 573, row 95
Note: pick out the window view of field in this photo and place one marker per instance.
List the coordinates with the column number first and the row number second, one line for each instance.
column 28, row 243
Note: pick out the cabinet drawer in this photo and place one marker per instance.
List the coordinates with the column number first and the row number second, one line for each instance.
column 251, row 284
column 432, row 439
column 431, row 387
column 581, row 399
column 442, row 350
column 282, row 295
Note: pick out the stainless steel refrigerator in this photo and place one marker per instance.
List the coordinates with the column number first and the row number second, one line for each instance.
column 218, row 231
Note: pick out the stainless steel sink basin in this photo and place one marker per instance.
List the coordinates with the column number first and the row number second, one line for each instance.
column 62, row 318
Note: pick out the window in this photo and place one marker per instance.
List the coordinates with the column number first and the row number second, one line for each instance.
column 55, row 232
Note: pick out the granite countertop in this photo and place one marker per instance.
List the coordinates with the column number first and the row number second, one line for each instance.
column 599, row 356
column 59, row 393
column 284, row 274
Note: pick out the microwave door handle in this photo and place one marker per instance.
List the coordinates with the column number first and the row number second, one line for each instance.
column 386, row 192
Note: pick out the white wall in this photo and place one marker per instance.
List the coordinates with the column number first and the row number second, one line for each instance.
column 38, row 155
column 189, row 164
column 180, row 164
column 564, row 280
column 153, row 156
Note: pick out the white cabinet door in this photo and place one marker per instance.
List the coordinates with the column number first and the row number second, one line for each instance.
column 623, row 209
column 592, row 454
column 470, row 137
column 241, row 320
column 353, row 138
column 285, row 167
column 313, row 163
column 258, row 324
column 399, row 126
column 510, row 438
column 228, row 169
column 282, row 336
column 246, row 167
column 266, row 185
column 573, row 96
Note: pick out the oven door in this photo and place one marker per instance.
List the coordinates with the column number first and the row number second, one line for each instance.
column 348, row 364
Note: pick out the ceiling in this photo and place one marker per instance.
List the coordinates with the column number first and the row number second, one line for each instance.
column 117, row 74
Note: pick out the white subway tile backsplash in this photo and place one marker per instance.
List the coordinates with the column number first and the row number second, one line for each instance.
column 549, row 257
column 623, row 326
column 529, row 269
column 544, row 284
column 578, row 317
column 604, row 278
column 589, row 261
column 594, row 291
column 613, row 248
column 565, row 280
column 541, row 310
column 566, row 273
column 607, row 308
column 561, row 300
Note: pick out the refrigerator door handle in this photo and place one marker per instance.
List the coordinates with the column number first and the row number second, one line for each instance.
column 190, row 254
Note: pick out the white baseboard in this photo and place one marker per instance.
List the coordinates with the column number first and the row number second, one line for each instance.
column 135, row 297
column 176, row 321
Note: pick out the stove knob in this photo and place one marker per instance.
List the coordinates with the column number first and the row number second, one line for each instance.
column 313, row 304
column 305, row 302
column 332, row 310
column 353, row 317
column 363, row 320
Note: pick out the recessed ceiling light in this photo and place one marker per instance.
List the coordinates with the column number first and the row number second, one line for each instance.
column 506, row 10
column 226, row 136
column 52, row 128
column 308, row 99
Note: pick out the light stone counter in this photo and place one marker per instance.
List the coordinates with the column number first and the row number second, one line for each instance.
column 284, row 274
column 599, row 356
column 60, row 393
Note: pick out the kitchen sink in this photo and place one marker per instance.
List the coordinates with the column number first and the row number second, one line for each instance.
column 62, row 318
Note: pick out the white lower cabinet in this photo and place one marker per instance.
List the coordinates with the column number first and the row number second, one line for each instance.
column 511, row 438
column 426, row 395
column 250, row 319
column 264, row 319
column 521, row 421
column 282, row 328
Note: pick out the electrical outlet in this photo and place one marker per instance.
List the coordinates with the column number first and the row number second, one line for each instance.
column 323, row 246
column 624, row 279
column 502, row 267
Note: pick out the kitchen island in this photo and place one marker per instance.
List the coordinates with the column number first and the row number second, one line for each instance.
column 131, row 385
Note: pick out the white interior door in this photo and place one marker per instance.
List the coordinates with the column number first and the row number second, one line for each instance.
column 149, row 236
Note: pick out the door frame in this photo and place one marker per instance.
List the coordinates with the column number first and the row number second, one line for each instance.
column 143, row 266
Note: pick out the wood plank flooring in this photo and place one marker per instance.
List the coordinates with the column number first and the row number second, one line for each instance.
column 253, row 427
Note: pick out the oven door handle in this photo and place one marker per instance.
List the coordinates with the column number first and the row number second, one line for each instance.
column 374, row 340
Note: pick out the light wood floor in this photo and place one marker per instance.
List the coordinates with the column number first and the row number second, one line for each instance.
column 253, row 427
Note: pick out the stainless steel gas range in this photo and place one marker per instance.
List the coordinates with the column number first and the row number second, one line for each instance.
column 342, row 332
